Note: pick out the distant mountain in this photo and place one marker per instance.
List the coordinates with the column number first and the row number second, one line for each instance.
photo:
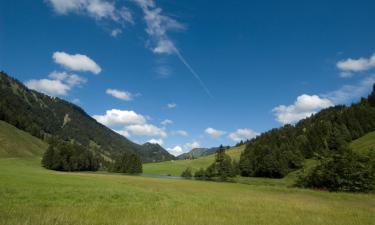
column 198, row 152
column 155, row 153
column 44, row 116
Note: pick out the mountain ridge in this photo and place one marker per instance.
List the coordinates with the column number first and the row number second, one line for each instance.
column 44, row 116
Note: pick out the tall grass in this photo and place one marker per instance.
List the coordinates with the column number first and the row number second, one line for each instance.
column 32, row 195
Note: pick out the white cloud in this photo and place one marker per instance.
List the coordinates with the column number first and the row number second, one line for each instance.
column 49, row 87
column 131, row 123
column 157, row 27
column 303, row 107
column 348, row 66
column 116, row 117
column 214, row 133
column 242, row 134
column 97, row 9
column 146, row 130
column 70, row 79
column 171, row 105
column 192, row 145
column 123, row 95
column 181, row 133
column 177, row 150
column 166, row 122
column 116, row 32
column 306, row 105
column 156, row 141
column 76, row 62
column 59, row 84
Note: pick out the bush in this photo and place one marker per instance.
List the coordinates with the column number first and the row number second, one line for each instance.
column 187, row 173
column 127, row 163
column 200, row 174
column 345, row 171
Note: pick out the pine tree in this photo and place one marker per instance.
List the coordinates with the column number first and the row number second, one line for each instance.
column 371, row 98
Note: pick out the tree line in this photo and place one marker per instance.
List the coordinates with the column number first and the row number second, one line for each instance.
column 67, row 156
column 323, row 136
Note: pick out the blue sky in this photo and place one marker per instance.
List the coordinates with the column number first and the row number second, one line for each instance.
column 192, row 73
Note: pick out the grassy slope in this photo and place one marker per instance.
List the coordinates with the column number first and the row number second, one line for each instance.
column 32, row 195
column 17, row 143
column 364, row 143
column 175, row 167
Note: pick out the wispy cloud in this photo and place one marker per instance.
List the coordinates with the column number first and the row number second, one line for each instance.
column 157, row 27
column 171, row 105
column 120, row 94
column 214, row 133
column 348, row 93
column 166, row 122
column 242, row 134
column 97, row 9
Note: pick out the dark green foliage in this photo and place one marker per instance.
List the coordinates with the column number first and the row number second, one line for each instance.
column 64, row 156
column 371, row 98
column 342, row 171
column 127, row 163
column 223, row 168
column 44, row 116
column 187, row 173
column 279, row 151
column 200, row 174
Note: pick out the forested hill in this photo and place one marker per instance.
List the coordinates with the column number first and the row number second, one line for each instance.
column 44, row 116
column 279, row 151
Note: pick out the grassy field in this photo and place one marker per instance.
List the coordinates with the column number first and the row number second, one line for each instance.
column 176, row 167
column 32, row 195
column 364, row 143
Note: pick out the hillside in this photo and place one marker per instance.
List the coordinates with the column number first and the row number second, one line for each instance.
column 364, row 143
column 197, row 152
column 175, row 167
column 44, row 116
column 17, row 143
column 155, row 152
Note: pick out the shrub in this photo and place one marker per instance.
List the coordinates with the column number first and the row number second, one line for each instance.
column 345, row 171
column 187, row 173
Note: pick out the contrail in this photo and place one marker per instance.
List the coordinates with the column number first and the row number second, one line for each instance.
column 192, row 71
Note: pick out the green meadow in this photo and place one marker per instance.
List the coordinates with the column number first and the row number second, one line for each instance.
column 32, row 195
